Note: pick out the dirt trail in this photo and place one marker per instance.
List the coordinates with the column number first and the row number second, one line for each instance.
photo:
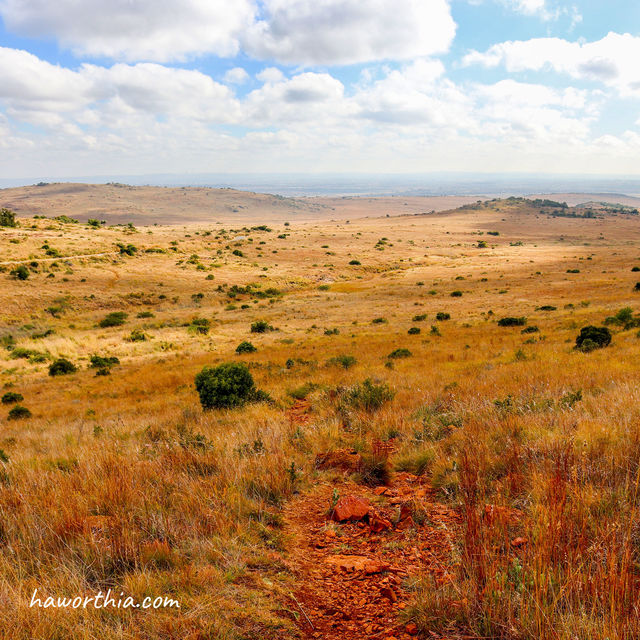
column 352, row 571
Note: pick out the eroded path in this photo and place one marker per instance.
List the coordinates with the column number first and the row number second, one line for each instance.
column 354, row 576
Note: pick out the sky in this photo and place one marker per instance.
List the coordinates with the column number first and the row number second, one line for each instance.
column 89, row 87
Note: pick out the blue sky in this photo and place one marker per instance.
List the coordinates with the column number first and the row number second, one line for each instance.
column 181, row 86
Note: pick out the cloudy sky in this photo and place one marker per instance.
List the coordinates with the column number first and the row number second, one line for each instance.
column 91, row 87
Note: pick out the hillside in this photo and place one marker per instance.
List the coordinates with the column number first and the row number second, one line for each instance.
column 403, row 440
column 118, row 203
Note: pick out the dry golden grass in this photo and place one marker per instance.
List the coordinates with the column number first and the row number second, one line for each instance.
column 123, row 482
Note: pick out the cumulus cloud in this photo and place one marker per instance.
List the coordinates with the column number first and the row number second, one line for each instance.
column 308, row 32
column 350, row 31
column 237, row 75
column 611, row 60
column 157, row 30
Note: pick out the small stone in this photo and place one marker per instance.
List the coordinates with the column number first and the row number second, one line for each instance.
column 351, row 508
column 516, row 543
column 411, row 629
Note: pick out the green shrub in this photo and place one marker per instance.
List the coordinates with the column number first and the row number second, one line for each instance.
column 591, row 338
column 420, row 318
column 114, row 319
column 342, row 360
column 7, row 218
column 261, row 326
column 12, row 397
column 237, row 252
column 414, row 331
column 400, row 353
column 200, row 325
column 136, row 336
column 62, row 367
column 20, row 273
column 19, row 413
column 146, row 314
column 355, row 263
column 441, row 315
column 226, row 386
column 126, row 249
column 245, row 347
column 531, row 329
column 511, row 321
column 637, row 286
column 368, row 396
column 456, row 294
column 379, row 321
column 100, row 362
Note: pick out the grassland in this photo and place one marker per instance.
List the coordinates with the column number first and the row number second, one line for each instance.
column 122, row 481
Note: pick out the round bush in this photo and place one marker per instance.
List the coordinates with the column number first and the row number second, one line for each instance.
column 591, row 338
column 225, row 386
column 414, row 331
column 245, row 347
column 19, row 412
column 12, row 397
column 62, row 367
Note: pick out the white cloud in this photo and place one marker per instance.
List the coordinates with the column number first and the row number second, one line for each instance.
column 611, row 60
column 237, row 75
column 158, row 30
column 270, row 74
column 329, row 32
column 308, row 32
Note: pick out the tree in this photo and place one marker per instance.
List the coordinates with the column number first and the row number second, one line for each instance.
column 7, row 218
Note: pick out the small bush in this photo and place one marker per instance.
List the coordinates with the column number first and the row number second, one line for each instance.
column 146, row 314
column 637, row 286
column 261, row 326
column 245, row 347
column 62, row 367
column 19, row 413
column 456, row 294
column 531, row 329
column 591, row 338
column 400, row 353
column 12, row 397
column 368, row 396
column 414, row 331
column 511, row 321
column 441, row 315
column 7, row 218
column 114, row 319
column 342, row 360
column 420, row 318
column 136, row 336
column 200, row 325
column 226, row 386
column 20, row 273
column 355, row 263
column 379, row 321
column 100, row 362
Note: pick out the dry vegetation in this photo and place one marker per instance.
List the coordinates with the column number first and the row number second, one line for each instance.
column 122, row 481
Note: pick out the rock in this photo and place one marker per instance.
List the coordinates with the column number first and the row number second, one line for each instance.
column 377, row 523
column 381, row 491
column 518, row 542
column 411, row 629
column 388, row 593
column 406, row 511
column 356, row 563
column 351, row 508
